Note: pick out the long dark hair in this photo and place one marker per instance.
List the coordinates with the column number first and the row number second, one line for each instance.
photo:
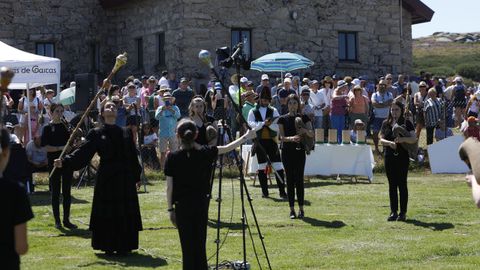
column 401, row 119
column 187, row 130
column 296, row 98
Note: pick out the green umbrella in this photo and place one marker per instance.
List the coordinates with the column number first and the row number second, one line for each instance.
column 67, row 96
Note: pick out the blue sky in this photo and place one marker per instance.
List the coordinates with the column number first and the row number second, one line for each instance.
column 458, row 16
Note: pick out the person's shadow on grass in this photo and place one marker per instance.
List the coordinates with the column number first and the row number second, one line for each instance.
column 435, row 226
column 335, row 224
column 79, row 232
column 134, row 259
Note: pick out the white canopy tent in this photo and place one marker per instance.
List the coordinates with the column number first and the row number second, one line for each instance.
column 30, row 69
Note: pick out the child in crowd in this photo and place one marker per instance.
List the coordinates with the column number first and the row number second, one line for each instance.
column 472, row 130
column 358, row 126
column 442, row 131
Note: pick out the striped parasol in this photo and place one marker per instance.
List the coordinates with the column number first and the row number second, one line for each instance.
column 281, row 62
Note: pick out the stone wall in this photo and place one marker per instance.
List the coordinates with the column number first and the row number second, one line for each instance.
column 73, row 25
column 191, row 25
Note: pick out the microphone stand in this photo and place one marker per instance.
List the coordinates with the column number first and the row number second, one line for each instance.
column 204, row 57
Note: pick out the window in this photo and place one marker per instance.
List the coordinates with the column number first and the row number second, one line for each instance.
column 161, row 49
column 45, row 49
column 242, row 35
column 347, row 46
column 139, row 44
column 94, row 57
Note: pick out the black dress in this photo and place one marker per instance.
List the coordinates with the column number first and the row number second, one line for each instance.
column 191, row 196
column 115, row 220
column 396, row 167
column 16, row 210
column 202, row 131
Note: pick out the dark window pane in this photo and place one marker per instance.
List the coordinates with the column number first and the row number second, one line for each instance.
column 140, row 53
column 161, row 49
column 352, row 46
column 235, row 38
column 49, row 50
column 245, row 36
column 40, row 49
column 342, row 53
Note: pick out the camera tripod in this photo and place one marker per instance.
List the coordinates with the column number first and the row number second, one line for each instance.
column 224, row 130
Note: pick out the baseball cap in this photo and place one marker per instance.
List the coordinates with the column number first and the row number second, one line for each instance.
column 264, row 77
column 243, row 80
column 341, row 83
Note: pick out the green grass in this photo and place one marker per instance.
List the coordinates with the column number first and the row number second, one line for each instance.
column 345, row 228
column 443, row 58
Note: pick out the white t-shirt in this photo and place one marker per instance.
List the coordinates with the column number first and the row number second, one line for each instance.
column 164, row 82
column 149, row 139
column 318, row 100
column 37, row 154
column 381, row 98
column 327, row 92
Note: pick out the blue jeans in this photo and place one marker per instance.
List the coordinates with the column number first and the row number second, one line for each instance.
column 338, row 123
column 318, row 122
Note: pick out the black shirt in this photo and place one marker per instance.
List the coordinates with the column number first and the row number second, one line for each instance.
column 16, row 211
column 288, row 123
column 388, row 135
column 55, row 135
column 202, row 131
column 191, row 173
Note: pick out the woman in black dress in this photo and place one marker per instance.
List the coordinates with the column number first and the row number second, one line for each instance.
column 54, row 138
column 293, row 152
column 188, row 190
column 397, row 159
column 115, row 220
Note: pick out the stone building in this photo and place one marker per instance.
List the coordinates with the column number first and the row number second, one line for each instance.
column 354, row 37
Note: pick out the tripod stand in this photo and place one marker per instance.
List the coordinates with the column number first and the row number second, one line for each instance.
column 222, row 131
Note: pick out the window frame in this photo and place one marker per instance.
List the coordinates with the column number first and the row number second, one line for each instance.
column 44, row 44
column 240, row 31
column 348, row 58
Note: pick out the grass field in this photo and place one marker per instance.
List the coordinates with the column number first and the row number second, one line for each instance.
column 345, row 228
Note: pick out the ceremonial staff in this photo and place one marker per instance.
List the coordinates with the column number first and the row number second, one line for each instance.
column 120, row 61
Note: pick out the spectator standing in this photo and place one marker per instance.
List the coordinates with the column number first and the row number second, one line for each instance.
column 172, row 80
column 433, row 113
column 390, row 87
column 305, row 107
column 265, row 82
column 36, row 107
column 339, row 108
column 197, row 113
column 37, row 155
column 327, row 91
column 459, row 100
column 359, row 106
column 149, row 147
column 167, row 116
column 319, row 103
column 183, row 95
column 54, row 138
column 419, row 101
column 164, row 80
column 381, row 101
column 131, row 103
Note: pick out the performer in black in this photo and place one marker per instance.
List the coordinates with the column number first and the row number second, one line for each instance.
column 16, row 211
column 188, row 190
column 397, row 159
column 293, row 152
column 115, row 220
column 261, row 119
column 54, row 138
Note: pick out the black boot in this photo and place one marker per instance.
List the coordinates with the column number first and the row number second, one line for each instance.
column 262, row 178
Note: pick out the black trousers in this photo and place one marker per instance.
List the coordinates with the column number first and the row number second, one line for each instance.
column 273, row 153
column 192, row 219
column 61, row 178
column 397, row 172
column 430, row 132
column 294, row 163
